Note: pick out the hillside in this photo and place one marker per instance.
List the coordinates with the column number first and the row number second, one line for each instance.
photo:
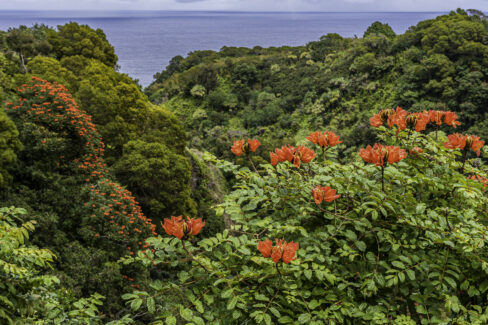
column 282, row 94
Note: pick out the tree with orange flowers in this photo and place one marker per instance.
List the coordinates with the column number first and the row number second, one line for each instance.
column 386, row 243
column 87, row 218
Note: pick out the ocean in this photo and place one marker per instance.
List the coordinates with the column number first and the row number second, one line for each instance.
column 145, row 41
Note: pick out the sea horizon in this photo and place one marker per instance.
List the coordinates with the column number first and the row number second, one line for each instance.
column 146, row 40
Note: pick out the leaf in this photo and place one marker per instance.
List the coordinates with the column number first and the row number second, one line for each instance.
column 170, row 320
column 232, row 303
column 261, row 297
column 411, row 274
column 267, row 319
column 227, row 293
column 304, row 318
column 398, row 264
column 308, row 274
column 151, row 305
column 186, row 314
column 136, row 304
column 275, row 312
column 313, row 304
column 285, row 320
column 451, row 282
column 361, row 246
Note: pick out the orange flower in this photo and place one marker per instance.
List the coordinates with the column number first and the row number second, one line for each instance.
column 281, row 251
column 480, row 179
column 391, row 117
column 241, row 146
column 304, row 155
column 265, row 247
column 273, row 158
column 436, row 116
column 449, row 118
column 418, row 121
column 324, row 139
column 285, row 153
column 464, row 142
column 399, row 118
column 416, row 151
column 179, row 228
column 380, row 155
column 237, row 147
column 324, row 193
column 376, row 120
column 292, row 154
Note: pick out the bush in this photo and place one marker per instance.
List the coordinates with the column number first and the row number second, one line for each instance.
column 400, row 242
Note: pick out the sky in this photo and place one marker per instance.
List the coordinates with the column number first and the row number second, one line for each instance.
column 247, row 5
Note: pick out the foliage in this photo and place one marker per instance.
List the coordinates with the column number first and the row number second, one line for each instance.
column 332, row 83
column 411, row 253
column 378, row 28
column 63, row 180
column 73, row 39
column 29, row 295
column 9, row 145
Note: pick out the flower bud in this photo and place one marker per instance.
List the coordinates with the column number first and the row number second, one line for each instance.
column 386, row 113
column 412, row 120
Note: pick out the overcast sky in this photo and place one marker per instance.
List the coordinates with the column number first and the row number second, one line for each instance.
column 248, row 5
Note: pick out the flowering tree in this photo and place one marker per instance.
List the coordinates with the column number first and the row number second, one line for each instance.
column 86, row 218
column 359, row 245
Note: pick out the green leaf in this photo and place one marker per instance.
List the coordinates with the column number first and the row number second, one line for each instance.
column 227, row 293
column 151, row 305
column 261, row 297
column 275, row 312
column 398, row 264
column 170, row 320
column 136, row 304
column 308, row 274
column 361, row 245
column 186, row 314
column 313, row 304
column 285, row 320
column 304, row 318
column 410, row 274
column 232, row 303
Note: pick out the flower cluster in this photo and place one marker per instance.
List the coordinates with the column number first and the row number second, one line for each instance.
column 388, row 116
column 280, row 251
column 324, row 139
column 380, row 155
column 183, row 228
column 112, row 211
column 480, row 179
column 51, row 105
column 242, row 147
column 324, row 193
column 448, row 118
column 121, row 214
column 418, row 121
column 464, row 142
column 298, row 155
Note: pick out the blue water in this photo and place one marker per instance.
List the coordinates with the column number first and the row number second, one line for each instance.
column 145, row 41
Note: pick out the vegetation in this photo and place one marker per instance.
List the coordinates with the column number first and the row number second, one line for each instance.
column 282, row 94
column 267, row 186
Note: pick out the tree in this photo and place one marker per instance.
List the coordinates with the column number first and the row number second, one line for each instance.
column 377, row 28
column 73, row 39
column 9, row 146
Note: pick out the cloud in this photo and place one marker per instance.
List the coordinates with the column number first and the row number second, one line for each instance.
column 188, row 1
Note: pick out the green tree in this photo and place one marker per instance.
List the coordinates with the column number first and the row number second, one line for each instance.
column 73, row 39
